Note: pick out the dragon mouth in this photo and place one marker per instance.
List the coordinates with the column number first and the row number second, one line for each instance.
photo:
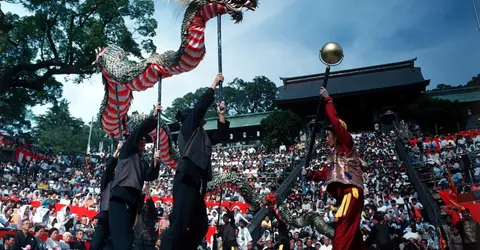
column 235, row 8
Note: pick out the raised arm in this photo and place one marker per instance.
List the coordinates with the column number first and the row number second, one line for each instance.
column 108, row 174
column 154, row 172
column 339, row 128
column 152, row 211
column 223, row 125
column 196, row 116
column 130, row 146
column 154, row 168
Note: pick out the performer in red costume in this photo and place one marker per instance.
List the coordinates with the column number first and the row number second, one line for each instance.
column 344, row 179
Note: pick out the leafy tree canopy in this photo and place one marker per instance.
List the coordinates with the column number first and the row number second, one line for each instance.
column 61, row 132
column 281, row 128
column 429, row 112
column 242, row 97
column 59, row 38
column 475, row 82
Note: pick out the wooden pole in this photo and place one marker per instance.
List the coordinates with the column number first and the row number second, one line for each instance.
column 120, row 134
column 219, row 44
column 317, row 117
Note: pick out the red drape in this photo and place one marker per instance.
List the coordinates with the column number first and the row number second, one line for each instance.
column 83, row 211
column 450, row 200
column 470, row 133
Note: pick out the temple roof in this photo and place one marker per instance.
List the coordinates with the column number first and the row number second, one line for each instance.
column 353, row 80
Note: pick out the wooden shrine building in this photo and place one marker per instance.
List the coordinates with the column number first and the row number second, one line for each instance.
column 244, row 129
column 362, row 95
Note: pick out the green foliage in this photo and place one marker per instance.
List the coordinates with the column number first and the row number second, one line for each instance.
column 241, row 97
column 428, row 112
column 475, row 82
column 443, row 86
column 61, row 132
column 59, row 38
column 98, row 135
column 281, row 128
column 255, row 96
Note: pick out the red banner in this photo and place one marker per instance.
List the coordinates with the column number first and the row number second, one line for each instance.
column 451, row 201
column 83, row 211
column 6, row 140
column 470, row 133
column 22, row 155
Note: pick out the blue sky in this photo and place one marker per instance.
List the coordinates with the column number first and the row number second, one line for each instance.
column 282, row 39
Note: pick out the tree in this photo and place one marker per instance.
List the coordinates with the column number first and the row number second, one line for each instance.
column 429, row 112
column 475, row 82
column 241, row 98
column 443, row 86
column 14, row 107
column 99, row 136
column 61, row 132
column 188, row 101
column 255, row 96
column 60, row 38
column 280, row 128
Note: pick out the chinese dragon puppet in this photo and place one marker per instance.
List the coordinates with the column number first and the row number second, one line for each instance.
column 256, row 201
column 129, row 76
column 122, row 76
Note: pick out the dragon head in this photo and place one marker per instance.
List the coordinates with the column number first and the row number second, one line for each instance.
column 232, row 7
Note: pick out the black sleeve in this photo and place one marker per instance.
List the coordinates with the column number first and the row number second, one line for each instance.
column 108, row 174
column 372, row 236
column 152, row 211
column 130, row 146
column 221, row 134
column 196, row 115
column 18, row 242
column 153, row 174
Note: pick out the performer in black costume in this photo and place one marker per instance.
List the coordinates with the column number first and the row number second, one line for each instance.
column 144, row 231
column 283, row 242
column 101, row 236
column 193, row 172
column 126, row 194
column 227, row 232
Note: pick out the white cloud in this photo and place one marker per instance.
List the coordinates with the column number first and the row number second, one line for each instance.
column 282, row 39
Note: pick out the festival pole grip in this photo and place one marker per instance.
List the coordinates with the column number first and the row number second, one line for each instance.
column 220, row 98
column 159, row 113
column 331, row 54
column 120, row 134
column 219, row 41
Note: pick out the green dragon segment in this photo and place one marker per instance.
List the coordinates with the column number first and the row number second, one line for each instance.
column 257, row 201
column 118, row 72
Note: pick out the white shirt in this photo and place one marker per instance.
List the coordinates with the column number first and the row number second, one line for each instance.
column 382, row 209
column 237, row 218
column 243, row 238
column 325, row 247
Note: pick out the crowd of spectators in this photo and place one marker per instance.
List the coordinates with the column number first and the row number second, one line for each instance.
column 74, row 181
column 457, row 156
column 391, row 203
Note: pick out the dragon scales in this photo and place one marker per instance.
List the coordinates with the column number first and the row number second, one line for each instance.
column 130, row 76
column 256, row 201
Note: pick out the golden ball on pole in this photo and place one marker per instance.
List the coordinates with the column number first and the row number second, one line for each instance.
column 331, row 53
